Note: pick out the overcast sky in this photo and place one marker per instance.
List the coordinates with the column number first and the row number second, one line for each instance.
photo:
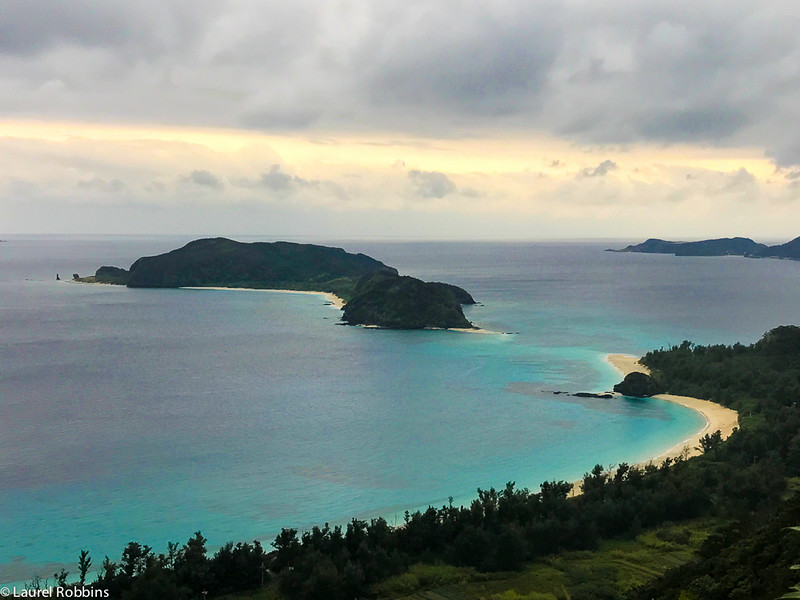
column 444, row 119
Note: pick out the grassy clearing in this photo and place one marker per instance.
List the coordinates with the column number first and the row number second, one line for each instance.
column 614, row 568
column 606, row 573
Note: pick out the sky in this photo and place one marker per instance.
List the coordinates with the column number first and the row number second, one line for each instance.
column 510, row 119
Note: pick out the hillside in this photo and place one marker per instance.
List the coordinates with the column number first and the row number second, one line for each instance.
column 406, row 303
column 737, row 246
column 374, row 292
column 718, row 247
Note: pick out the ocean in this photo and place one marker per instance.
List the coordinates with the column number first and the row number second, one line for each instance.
column 148, row 415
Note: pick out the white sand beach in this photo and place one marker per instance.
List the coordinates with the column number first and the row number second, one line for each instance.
column 717, row 417
column 332, row 298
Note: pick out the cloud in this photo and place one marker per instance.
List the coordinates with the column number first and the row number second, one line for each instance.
column 205, row 178
column 276, row 180
column 481, row 60
column 600, row 170
column 683, row 72
column 740, row 180
column 695, row 125
column 102, row 185
column 431, row 184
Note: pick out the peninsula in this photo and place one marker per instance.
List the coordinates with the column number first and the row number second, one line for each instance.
column 373, row 293
column 736, row 246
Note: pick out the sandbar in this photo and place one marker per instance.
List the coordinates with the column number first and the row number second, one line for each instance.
column 335, row 301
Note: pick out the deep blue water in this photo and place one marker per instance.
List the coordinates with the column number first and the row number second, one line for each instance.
column 149, row 414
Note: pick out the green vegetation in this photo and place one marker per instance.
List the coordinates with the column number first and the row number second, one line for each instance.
column 719, row 247
column 110, row 275
column 638, row 385
column 375, row 293
column 406, row 303
column 220, row 262
column 615, row 567
column 716, row 526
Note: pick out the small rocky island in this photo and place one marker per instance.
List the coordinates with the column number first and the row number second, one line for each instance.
column 736, row 246
column 375, row 294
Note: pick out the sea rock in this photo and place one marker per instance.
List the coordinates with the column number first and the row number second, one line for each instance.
column 638, row 385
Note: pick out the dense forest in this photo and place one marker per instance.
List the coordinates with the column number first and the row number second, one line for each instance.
column 741, row 481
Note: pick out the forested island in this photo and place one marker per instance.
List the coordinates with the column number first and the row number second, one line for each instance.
column 374, row 293
column 736, row 246
column 713, row 527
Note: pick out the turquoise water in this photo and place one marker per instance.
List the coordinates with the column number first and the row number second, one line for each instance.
column 149, row 414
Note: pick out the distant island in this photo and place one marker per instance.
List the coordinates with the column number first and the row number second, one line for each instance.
column 374, row 294
column 737, row 246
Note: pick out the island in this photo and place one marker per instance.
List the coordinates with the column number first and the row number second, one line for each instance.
column 736, row 246
column 402, row 302
column 374, row 294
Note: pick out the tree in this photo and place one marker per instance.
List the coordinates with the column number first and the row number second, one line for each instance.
column 134, row 558
column 84, row 562
column 191, row 565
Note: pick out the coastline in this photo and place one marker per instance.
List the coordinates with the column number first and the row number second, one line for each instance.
column 335, row 301
column 458, row 329
column 716, row 416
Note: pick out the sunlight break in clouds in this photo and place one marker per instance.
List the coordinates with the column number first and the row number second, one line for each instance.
column 436, row 119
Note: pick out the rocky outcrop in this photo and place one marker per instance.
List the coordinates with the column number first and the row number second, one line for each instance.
column 405, row 302
column 638, row 385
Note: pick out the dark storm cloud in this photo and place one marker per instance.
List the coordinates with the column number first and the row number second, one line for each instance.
column 30, row 26
column 695, row 125
column 431, row 184
column 719, row 73
column 144, row 29
column 491, row 62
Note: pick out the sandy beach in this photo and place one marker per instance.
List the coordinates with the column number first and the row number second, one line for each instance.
column 717, row 417
column 335, row 301
column 465, row 330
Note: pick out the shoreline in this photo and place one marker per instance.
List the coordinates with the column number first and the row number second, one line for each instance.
column 716, row 416
column 335, row 300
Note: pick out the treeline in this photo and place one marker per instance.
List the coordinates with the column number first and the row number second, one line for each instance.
column 742, row 480
column 751, row 557
column 182, row 572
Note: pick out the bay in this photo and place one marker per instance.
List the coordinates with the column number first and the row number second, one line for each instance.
column 149, row 414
